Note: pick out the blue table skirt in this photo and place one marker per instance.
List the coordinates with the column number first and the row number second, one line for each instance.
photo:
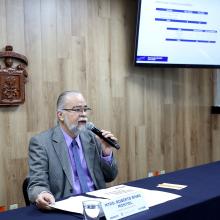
column 200, row 200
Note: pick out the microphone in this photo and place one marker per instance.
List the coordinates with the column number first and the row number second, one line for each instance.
column 113, row 143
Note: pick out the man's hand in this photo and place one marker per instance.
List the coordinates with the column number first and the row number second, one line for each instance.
column 107, row 149
column 44, row 199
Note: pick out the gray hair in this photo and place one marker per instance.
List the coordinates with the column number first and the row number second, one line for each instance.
column 62, row 98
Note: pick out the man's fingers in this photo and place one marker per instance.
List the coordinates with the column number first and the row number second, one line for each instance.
column 44, row 200
column 108, row 134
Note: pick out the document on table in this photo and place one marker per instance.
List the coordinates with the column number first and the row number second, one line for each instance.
column 152, row 197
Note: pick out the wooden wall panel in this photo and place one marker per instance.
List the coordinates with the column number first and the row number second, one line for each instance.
column 161, row 116
column 15, row 24
column 49, row 42
column 3, row 23
column 63, row 29
column 34, row 91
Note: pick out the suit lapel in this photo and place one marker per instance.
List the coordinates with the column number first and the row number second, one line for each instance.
column 60, row 147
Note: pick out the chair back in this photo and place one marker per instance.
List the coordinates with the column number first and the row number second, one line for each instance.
column 24, row 188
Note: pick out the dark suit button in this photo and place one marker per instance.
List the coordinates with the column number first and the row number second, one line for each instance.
column 71, row 190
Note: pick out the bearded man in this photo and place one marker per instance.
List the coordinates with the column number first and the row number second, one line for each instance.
column 69, row 159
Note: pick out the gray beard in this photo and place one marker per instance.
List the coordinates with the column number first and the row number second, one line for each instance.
column 75, row 129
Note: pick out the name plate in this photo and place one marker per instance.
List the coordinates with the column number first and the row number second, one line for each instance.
column 123, row 206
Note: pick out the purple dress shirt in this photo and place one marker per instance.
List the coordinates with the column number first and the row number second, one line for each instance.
column 75, row 179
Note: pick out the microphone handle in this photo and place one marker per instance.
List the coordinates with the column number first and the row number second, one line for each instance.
column 113, row 143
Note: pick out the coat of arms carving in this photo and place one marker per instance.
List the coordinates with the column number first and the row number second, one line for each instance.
column 12, row 77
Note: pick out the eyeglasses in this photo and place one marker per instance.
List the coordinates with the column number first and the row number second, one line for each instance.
column 78, row 109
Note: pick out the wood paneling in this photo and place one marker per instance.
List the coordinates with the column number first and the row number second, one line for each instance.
column 160, row 116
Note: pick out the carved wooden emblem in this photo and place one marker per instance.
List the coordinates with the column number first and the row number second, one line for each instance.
column 12, row 78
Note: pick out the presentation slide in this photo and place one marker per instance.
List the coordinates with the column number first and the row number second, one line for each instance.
column 179, row 32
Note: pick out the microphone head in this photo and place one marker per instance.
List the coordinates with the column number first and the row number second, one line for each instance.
column 90, row 125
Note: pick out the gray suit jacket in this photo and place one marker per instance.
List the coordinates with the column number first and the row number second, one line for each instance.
column 50, row 167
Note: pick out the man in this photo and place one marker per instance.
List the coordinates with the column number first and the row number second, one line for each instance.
column 53, row 164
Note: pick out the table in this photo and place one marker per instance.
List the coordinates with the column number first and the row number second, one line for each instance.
column 200, row 200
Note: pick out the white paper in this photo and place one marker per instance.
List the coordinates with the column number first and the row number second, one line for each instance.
column 172, row 186
column 152, row 197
